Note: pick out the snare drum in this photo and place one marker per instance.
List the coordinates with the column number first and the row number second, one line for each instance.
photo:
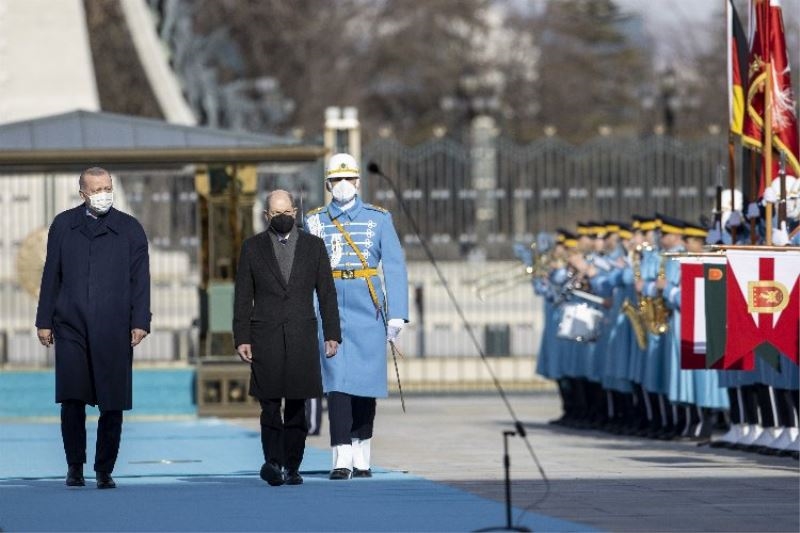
column 580, row 322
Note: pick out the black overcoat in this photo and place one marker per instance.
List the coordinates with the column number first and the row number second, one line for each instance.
column 95, row 290
column 278, row 319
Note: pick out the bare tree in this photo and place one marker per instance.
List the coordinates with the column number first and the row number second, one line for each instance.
column 593, row 69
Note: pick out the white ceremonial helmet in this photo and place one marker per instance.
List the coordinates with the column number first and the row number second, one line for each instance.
column 730, row 203
column 792, row 195
column 727, row 204
column 342, row 166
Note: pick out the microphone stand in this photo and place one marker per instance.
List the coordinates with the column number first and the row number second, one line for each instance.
column 373, row 168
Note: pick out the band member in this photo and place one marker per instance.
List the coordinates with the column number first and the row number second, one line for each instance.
column 653, row 269
column 707, row 395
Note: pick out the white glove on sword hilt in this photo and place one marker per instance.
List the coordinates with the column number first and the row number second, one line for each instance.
column 393, row 328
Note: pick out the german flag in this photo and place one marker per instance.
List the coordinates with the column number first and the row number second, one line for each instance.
column 737, row 59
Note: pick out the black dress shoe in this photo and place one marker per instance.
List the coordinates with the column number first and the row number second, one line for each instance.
column 340, row 473
column 75, row 476
column 357, row 472
column 293, row 477
column 272, row 473
column 105, row 481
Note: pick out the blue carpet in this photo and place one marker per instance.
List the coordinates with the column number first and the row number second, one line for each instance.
column 202, row 475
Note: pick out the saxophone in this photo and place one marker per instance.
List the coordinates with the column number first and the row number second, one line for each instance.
column 653, row 309
column 632, row 311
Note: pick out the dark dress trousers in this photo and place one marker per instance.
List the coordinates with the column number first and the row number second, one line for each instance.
column 95, row 289
column 277, row 318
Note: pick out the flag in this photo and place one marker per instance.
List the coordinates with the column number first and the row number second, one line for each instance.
column 768, row 45
column 737, row 60
column 763, row 306
column 703, row 309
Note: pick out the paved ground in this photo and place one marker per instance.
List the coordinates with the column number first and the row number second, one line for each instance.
column 608, row 482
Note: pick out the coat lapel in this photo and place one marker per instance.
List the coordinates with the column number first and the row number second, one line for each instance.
column 83, row 222
column 299, row 252
column 268, row 256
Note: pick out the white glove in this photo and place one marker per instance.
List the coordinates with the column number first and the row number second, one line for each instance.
column 734, row 220
column 770, row 196
column 753, row 211
column 393, row 328
column 714, row 236
column 780, row 237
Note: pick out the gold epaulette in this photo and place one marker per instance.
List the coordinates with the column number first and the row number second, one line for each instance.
column 315, row 211
column 375, row 208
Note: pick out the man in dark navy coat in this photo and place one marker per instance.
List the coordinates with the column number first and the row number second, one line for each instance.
column 275, row 330
column 94, row 305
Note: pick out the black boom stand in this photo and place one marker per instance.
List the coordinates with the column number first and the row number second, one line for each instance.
column 507, row 466
column 520, row 430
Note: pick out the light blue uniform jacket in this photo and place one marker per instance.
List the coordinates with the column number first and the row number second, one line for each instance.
column 548, row 362
column 620, row 338
column 359, row 367
column 653, row 378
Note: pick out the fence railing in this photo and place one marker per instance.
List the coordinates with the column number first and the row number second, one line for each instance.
column 480, row 197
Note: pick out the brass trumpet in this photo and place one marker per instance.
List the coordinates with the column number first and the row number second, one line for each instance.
column 507, row 279
column 491, row 287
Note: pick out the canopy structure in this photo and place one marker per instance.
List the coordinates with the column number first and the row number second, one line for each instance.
column 71, row 140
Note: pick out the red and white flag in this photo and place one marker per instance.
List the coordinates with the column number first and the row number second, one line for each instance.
column 768, row 47
column 763, row 305
column 702, row 312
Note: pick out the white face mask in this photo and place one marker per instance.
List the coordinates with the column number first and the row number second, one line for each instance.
column 344, row 191
column 101, row 202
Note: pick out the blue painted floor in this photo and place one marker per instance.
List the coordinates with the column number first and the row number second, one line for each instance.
column 202, row 475
column 156, row 392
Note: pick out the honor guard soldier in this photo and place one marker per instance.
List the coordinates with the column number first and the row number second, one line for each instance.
column 360, row 237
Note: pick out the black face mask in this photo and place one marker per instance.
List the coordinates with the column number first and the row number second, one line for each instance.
column 282, row 224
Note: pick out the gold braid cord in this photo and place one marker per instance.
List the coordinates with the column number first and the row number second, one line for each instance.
column 349, row 239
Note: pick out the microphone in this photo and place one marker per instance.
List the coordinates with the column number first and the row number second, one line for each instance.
column 373, row 168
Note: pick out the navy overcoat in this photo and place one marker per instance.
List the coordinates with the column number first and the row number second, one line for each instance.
column 95, row 290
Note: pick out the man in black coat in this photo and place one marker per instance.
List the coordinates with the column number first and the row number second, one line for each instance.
column 275, row 331
column 94, row 304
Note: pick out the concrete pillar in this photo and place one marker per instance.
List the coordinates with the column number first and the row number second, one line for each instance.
column 484, row 176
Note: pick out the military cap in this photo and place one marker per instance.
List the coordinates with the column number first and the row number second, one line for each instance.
column 625, row 231
column 642, row 223
column 693, row 230
column 670, row 225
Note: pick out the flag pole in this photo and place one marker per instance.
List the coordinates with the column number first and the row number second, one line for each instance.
column 731, row 154
column 768, row 121
column 782, row 196
column 753, row 193
column 731, row 180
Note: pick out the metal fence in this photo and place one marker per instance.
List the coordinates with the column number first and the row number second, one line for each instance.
column 471, row 202
column 479, row 197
